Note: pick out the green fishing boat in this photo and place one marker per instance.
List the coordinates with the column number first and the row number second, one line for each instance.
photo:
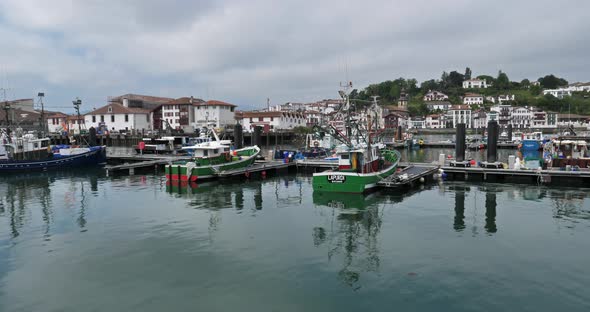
column 359, row 170
column 362, row 160
column 209, row 159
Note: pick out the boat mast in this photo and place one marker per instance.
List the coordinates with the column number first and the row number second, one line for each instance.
column 77, row 104
column 44, row 129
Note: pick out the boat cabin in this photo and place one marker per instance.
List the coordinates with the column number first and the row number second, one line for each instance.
column 358, row 161
column 210, row 151
column 573, row 149
column 24, row 148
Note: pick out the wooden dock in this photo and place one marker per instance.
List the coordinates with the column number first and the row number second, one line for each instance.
column 136, row 165
column 260, row 167
column 553, row 176
column 316, row 163
column 408, row 176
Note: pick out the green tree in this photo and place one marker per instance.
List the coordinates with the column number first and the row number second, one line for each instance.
column 502, row 82
column 467, row 73
column 488, row 79
column 552, row 82
column 525, row 83
column 428, row 85
column 456, row 79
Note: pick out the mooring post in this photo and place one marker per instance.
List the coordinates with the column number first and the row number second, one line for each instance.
column 460, row 143
column 492, row 141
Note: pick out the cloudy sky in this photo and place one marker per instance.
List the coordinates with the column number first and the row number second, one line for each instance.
column 243, row 51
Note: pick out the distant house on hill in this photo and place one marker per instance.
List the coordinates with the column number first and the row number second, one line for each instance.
column 441, row 105
column 435, row 96
column 475, row 83
column 473, row 99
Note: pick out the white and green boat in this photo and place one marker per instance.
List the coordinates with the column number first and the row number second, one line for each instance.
column 362, row 162
column 359, row 170
column 210, row 159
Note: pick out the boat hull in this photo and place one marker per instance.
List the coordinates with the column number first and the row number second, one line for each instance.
column 349, row 182
column 180, row 171
column 96, row 156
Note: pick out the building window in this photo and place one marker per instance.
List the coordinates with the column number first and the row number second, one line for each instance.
column 110, row 109
column 112, row 118
column 93, row 118
column 101, row 118
column 126, row 118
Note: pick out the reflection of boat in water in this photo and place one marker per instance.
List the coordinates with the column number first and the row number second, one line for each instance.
column 344, row 201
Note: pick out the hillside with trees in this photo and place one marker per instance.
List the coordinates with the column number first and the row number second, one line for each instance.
column 451, row 83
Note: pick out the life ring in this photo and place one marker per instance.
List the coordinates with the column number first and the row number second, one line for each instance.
column 316, row 143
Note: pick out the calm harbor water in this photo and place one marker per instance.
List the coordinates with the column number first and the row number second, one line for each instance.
column 86, row 242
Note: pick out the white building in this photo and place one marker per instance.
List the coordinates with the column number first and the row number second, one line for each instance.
column 116, row 117
column 521, row 117
column 417, row 123
column 75, row 124
column 475, row 83
column 492, row 116
column 460, row 114
column 580, row 87
column 505, row 98
column 504, row 114
column 179, row 114
column 272, row 120
column 56, row 122
column 219, row 113
column 558, row 93
column 435, row 96
column 539, row 119
column 434, row 121
column 479, row 119
column 473, row 99
column 313, row 117
column 438, row 105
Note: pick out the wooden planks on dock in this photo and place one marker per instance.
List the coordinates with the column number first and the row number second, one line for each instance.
column 408, row 175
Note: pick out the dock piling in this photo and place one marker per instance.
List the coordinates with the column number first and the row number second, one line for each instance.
column 460, row 143
column 492, row 141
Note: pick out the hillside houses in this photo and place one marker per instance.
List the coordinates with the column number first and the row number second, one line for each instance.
column 472, row 99
column 435, row 96
column 475, row 84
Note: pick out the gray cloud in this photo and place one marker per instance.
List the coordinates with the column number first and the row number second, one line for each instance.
column 246, row 51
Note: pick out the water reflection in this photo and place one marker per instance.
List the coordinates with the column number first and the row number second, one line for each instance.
column 20, row 192
column 353, row 233
column 491, row 212
column 459, row 221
